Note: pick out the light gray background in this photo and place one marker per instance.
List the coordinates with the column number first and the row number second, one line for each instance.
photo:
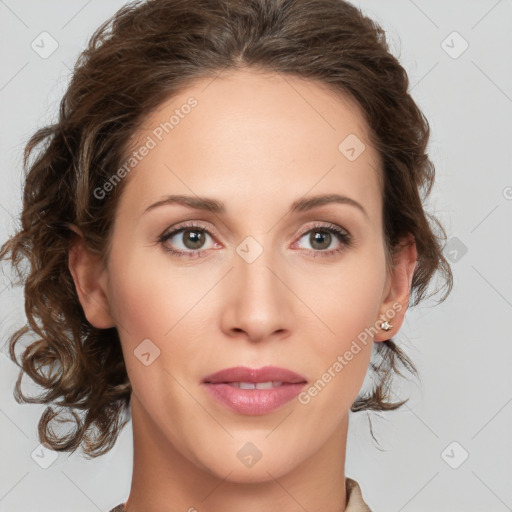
column 462, row 347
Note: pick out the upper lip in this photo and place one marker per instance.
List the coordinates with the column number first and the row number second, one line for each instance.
column 245, row 374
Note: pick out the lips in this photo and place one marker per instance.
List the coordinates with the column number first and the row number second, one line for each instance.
column 253, row 391
column 255, row 375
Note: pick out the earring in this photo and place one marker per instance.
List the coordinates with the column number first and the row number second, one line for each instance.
column 386, row 326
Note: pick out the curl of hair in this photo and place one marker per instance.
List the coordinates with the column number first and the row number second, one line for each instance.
column 146, row 53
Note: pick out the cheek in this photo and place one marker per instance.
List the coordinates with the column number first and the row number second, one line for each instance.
column 152, row 301
column 346, row 298
column 150, row 297
column 346, row 304
column 143, row 313
column 140, row 304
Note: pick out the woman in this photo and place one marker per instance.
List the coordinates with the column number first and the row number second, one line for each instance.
column 225, row 229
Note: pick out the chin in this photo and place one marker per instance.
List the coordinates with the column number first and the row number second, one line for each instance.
column 246, row 464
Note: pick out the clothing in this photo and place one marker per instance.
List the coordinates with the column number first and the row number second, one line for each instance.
column 355, row 501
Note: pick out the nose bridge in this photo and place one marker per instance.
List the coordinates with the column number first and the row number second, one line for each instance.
column 253, row 268
column 259, row 301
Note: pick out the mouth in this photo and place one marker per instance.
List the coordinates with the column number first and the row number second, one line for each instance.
column 254, row 391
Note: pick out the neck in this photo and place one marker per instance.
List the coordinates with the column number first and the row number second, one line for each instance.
column 164, row 479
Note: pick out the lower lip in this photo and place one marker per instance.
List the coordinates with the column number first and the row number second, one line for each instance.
column 253, row 402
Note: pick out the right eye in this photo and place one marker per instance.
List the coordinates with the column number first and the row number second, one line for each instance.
column 186, row 240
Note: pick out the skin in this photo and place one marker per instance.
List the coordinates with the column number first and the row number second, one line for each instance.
column 257, row 142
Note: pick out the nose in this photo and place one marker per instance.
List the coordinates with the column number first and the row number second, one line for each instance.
column 258, row 303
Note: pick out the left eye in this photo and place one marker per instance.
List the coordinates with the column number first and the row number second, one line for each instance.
column 321, row 238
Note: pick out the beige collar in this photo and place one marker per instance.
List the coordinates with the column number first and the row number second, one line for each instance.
column 355, row 502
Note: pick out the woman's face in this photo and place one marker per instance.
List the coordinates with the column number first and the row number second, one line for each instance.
column 255, row 283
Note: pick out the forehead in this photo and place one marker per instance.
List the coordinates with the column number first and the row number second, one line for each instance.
column 259, row 134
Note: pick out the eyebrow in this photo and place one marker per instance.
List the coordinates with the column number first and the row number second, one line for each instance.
column 215, row 206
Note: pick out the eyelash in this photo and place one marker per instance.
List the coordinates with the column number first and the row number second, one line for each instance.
column 343, row 236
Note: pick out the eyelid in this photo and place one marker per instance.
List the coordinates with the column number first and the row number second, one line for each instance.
column 182, row 226
column 324, row 225
column 200, row 224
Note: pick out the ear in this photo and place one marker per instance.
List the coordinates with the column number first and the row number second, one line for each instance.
column 398, row 289
column 90, row 278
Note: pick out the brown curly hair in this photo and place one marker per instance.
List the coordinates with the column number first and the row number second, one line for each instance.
column 147, row 52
